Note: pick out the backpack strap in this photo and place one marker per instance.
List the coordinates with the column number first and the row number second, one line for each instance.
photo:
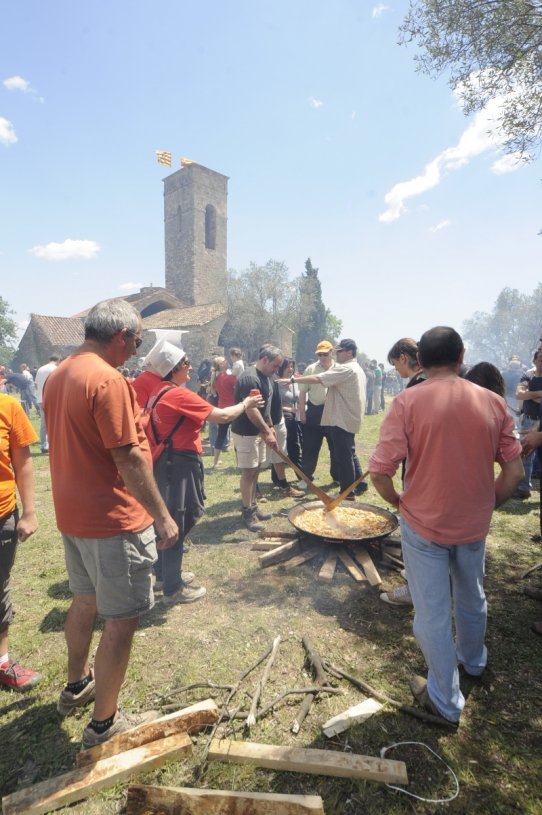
column 167, row 441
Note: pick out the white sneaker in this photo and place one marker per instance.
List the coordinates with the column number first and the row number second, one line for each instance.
column 302, row 485
column 397, row 597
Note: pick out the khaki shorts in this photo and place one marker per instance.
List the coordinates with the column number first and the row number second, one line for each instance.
column 250, row 451
column 117, row 570
column 280, row 432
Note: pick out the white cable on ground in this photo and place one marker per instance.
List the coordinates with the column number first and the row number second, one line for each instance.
column 383, row 752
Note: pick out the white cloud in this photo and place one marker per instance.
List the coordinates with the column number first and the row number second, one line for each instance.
column 441, row 225
column 315, row 103
column 68, row 250
column 508, row 163
column 380, row 9
column 7, row 132
column 131, row 286
column 17, row 83
column 479, row 137
column 353, row 115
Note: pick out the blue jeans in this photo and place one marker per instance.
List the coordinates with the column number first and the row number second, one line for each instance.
column 438, row 576
column 526, row 424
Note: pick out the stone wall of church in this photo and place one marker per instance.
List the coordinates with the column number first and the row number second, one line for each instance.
column 195, row 226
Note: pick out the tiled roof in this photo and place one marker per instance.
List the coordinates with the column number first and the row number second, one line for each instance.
column 141, row 299
column 60, row 331
column 185, row 317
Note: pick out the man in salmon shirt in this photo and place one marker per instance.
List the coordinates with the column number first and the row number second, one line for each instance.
column 450, row 432
column 105, row 501
column 16, row 436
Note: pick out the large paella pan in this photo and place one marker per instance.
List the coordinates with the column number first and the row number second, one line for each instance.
column 353, row 522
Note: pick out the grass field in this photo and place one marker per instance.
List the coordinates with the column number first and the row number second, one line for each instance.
column 496, row 752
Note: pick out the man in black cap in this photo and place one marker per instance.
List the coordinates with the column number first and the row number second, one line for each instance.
column 343, row 409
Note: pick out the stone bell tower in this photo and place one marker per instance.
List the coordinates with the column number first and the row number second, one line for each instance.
column 195, row 224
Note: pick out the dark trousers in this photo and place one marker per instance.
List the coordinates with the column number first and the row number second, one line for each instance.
column 8, row 548
column 293, row 440
column 313, row 435
column 346, row 463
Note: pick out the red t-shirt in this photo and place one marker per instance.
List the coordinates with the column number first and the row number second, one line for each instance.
column 176, row 402
column 90, row 409
column 144, row 385
column 225, row 387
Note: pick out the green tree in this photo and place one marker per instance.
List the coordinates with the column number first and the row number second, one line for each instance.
column 492, row 50
column 8, row 332
column 513, row 327
column 312, row 322
column 261, row 299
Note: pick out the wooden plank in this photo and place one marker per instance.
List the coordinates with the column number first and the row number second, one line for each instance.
column 267, row 544
column 350, row 566
column 80, row 783
column 303, row 557
column 308, row 760
column 279, row 554
column 327, row 572
column 363, row 557
column 187, row 720
column 354, row 715
column 174, row 800
column 289, row 535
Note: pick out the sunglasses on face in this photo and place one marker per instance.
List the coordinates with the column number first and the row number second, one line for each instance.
column 138, row 340
column 323, row 353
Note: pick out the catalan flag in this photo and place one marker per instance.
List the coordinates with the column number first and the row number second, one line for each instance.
column 185, row 161
column 163, row 157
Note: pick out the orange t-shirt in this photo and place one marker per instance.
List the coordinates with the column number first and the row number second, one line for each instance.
column 90, row 409
column 15, row 431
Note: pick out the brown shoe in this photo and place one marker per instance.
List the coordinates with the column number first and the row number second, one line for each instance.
column 418, row 687
column 537, row 627
column 534, row 594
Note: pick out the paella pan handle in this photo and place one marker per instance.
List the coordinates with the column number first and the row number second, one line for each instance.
column 323, row 496
column 340, row 498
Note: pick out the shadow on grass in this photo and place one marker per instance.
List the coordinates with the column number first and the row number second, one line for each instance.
column 34, row 747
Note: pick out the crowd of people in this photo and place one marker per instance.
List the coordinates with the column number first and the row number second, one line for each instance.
column 127, row 481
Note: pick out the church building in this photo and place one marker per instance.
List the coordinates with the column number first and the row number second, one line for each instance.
column 193, row 300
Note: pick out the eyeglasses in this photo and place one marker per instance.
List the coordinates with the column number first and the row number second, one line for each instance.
column 138, row 340
column 323, row 353
column 185, row 363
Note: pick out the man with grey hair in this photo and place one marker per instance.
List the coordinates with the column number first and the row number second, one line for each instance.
column 253, row 430
column 105, row 501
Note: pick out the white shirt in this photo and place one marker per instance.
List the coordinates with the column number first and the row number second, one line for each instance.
column 41, row 378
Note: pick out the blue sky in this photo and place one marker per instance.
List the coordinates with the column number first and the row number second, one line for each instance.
column 335, row 149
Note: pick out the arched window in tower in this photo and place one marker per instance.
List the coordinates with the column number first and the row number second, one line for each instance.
column 179, row 219
column 210, row 227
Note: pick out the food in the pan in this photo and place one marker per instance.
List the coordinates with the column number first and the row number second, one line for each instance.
column 345, row 522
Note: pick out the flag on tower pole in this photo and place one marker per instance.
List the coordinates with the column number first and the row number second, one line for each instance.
column 163, row 157
column 185, row 161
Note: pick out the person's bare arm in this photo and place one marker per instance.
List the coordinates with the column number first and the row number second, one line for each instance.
column 225, row 415
column 302, row 407
column 24, row 478
column 509, row 477
column 523, row 393
column 385, row 488
column 530, row 440
column 137, row 475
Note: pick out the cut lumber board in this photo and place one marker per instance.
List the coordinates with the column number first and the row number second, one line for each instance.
column 314, row 762
column 363, row 557
column 303, row 557
column 267, row 533
column 279, row 554
column 267, row 544
column 327, row 572
column 354, row 715
column 350, row 566
column 187, row 720
column 174, row 800
column 80, row 783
